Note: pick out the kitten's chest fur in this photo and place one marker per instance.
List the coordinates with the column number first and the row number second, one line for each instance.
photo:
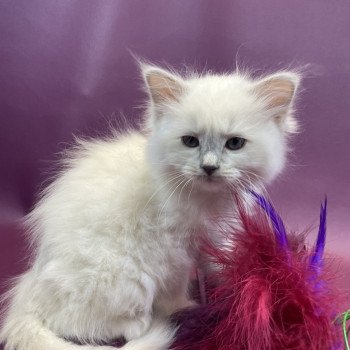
column 116, row 219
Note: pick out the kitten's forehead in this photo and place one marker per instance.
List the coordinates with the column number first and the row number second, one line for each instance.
column 219, row 104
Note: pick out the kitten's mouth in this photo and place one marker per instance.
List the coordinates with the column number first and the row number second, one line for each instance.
column 210, row 180
column 210, row 184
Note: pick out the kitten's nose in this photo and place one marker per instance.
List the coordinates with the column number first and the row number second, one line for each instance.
column 209, row 169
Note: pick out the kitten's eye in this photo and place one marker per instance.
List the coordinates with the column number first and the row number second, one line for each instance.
column 190, row 141
column 235, row 143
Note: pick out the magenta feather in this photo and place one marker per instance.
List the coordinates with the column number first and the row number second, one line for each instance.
column 263, row 298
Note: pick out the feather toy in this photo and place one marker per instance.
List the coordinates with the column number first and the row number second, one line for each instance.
column 271, row 292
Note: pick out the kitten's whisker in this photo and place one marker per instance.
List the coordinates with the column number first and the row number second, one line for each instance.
column 187, row 182
column 189, row 194
column 158, row 190
column 181, row 182
column 169, row 189
column 251, row 173
column 167, row 201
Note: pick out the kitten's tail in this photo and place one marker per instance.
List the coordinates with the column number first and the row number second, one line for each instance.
column 28, row 333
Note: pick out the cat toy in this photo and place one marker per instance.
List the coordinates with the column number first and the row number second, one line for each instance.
column 270, row 291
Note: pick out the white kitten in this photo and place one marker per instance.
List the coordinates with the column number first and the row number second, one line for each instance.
column 114, row 233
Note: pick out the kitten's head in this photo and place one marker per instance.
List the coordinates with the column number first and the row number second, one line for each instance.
column 219, row 130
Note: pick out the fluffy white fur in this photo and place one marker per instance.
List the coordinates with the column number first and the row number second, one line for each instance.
column 115, row 233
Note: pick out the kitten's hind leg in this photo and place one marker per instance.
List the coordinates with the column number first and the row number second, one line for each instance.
column 179, row 299
column 178, row 303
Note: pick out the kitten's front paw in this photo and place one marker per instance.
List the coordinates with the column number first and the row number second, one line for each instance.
column 180, row 304
column 187, row 304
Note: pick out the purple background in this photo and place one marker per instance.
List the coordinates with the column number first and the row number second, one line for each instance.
column 65, row 68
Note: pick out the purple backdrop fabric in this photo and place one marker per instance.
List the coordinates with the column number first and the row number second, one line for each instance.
column 65, row 68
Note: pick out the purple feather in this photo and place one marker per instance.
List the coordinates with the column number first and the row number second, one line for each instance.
column 316, row 260
column 277, row 223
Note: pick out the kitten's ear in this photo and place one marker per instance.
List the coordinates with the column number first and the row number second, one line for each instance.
column 278, row 92
column 163, row 86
